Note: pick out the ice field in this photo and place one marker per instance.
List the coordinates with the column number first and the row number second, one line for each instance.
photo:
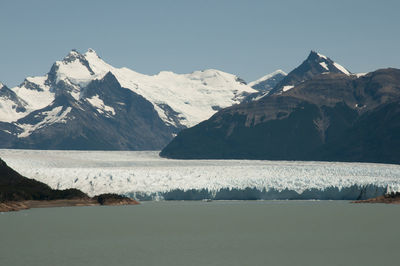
column 146, row 176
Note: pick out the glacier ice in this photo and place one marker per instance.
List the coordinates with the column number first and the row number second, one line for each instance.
column 146, row 176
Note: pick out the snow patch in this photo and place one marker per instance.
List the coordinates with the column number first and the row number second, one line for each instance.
column 288, row 87
column 56, row 115
column 98, row 103
column 266, row 77
column 322, row 56
column 324, row 65
column 8, row 111
column 341, row 68
column 360, row 74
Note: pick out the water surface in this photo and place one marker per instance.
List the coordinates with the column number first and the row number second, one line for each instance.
column 201, row 233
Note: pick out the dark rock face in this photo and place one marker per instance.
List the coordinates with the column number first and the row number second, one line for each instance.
column 128, row 122
column 114, row 199
column 331, row 117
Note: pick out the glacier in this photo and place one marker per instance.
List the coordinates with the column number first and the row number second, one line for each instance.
column 145, row 176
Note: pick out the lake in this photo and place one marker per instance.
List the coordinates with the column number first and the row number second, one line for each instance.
column 204, row 233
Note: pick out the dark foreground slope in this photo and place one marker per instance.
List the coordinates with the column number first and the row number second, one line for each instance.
column 15, row 187
column 18, row 192
column 332, row 117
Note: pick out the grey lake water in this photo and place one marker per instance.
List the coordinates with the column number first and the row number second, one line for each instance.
column 204, row 233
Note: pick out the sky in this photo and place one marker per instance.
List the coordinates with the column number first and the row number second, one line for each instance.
column 246, row 38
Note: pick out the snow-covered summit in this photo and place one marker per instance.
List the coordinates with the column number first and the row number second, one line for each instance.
column 267, row 77
column 193, row 97
column 328, row 64
column 60, row 96
column 315, row 64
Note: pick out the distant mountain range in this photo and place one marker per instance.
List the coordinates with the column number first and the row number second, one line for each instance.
column 319, row 111
column 85, row 103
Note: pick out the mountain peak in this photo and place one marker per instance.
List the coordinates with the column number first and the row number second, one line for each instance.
column 314, row 65
column 72, row 56
column 324, row 60
column 314, row 55
column 91, row 52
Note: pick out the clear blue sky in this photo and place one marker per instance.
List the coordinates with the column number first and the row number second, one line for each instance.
column 247, row 38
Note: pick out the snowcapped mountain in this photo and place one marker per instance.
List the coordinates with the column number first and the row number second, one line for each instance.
column 265, row 84
column 319, row 111
column 12, row 107
column 269, row 81
column 85, row 103
column 314, row 65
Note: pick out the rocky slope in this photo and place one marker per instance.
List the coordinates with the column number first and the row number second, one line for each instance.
column 85, row 103
column 332, row 116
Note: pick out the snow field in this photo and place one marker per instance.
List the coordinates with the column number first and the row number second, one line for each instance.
column 147, row 174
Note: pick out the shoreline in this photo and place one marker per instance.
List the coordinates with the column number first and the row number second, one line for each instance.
column 31, row 204
column 392, row 198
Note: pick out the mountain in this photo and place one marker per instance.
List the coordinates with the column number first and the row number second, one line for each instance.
column 265, row 84
column 85, row 103
column 314, row 65
column 330, row 117
column 12, row 107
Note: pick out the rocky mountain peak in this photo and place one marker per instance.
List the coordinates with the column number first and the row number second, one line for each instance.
column 314, row 55
column 72, row 56
column 315, row 64
column 91, row 52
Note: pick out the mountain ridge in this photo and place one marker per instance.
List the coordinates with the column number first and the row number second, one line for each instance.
column 330, row 117
column 173, row 102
